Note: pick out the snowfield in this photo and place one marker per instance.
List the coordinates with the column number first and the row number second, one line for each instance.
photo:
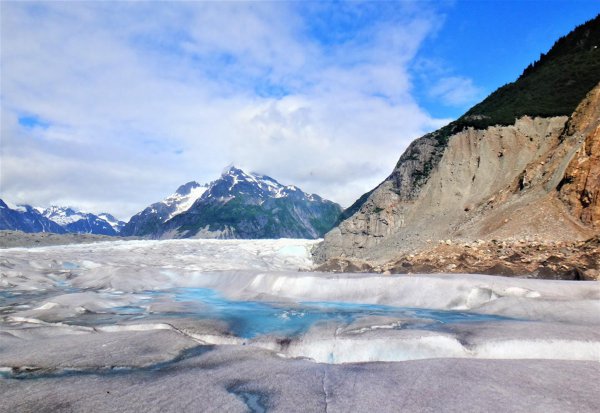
column 232, row 325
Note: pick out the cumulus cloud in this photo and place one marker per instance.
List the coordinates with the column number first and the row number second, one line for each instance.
column 112, row 106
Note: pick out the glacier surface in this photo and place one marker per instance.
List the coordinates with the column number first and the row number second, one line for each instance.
column 248, row 322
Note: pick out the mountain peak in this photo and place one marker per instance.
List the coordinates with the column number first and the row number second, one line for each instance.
column 187, row 188
column 234, row 181
column 62, row 215
column 77, row 221
column 237, row 204
column 232, row 170
column 115, row 223
column 239, row 174
column 57, row 219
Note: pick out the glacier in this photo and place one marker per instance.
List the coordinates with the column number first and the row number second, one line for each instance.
column 249, row 326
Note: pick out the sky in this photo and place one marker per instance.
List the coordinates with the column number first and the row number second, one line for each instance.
column 108, row 106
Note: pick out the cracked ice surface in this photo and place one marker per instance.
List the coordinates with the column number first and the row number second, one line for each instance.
column 201, row 325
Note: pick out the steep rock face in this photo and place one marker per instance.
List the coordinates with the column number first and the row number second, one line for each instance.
column 537, row 179
column 580, row 186
column 476, row 165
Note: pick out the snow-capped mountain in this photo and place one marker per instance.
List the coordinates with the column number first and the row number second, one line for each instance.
column 184, row 198
column 234, row 181
column 148, row 221
column 115, row 223
column 56, row 219
column 26, row 218
column 78, row 222
column 237, row 205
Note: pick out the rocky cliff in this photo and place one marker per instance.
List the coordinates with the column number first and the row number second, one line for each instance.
column 482, row 179
column 580, row 186
column 537, row 180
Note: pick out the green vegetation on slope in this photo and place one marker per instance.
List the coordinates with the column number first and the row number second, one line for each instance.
column 551, row 86
column 275, row 218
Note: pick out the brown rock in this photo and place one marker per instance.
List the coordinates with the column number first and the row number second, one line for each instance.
column 500, row 269
column 580, row 187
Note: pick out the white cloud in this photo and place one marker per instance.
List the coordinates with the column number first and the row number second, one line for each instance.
column 142, row 97
column 455, row 91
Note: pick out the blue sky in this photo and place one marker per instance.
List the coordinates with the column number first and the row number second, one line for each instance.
column 109, row 106
column 491, row 42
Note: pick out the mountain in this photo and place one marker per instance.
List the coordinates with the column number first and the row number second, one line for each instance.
column 149, row 221
column 240, row 205
column 115, row 223
column 78, row 222
column 523, row 164
column 56, row 219
column 27, row 219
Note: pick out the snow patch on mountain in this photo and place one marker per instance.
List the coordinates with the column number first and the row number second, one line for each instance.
column 116, row 224
column 236, row 205
column 25, row 218
column 75, row 221
column 16, row 207
column 63, row 215
column 183, row 201
column 268, row 186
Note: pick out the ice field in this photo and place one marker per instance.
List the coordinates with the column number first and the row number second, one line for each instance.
column 231, row 325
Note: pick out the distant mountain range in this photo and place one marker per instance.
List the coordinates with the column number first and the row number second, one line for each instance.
column 236, row 205
column 56, row 219
column 81, row 222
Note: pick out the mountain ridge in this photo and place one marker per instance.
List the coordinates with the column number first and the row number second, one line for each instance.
column 56, row 219
column 149, row 220
column 27, row 219
column 470, row 180
column 75, row 221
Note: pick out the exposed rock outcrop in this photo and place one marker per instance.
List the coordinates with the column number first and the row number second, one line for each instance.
column 580, row 186
column 524, row 258
column 475, row 168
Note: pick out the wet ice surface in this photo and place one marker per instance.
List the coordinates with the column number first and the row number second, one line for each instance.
column 242, row 325
column 249, row 319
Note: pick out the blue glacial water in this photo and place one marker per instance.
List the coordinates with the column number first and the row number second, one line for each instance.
column 245, row 319
column 70, row 265
column 249, row 319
